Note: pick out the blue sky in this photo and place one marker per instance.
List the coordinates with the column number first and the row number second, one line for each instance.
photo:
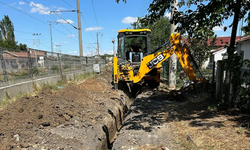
column 105, row 17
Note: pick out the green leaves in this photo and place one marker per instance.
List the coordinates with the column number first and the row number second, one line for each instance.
column 7, row 36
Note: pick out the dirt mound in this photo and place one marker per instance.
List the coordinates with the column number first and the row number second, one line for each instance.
column 43, row 121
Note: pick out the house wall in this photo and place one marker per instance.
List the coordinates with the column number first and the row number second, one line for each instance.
column 244, row 46
column 218, row 55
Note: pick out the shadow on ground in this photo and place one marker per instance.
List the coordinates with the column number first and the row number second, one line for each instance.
column 153, row 109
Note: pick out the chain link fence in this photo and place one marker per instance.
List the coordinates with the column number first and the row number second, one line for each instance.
column 19, row 66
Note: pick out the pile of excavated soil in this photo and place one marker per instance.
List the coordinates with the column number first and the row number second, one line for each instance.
column 70, row 118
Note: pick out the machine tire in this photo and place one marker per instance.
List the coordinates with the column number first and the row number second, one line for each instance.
column 153, row 84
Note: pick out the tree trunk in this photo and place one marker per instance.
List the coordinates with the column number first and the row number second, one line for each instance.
column 230, row 52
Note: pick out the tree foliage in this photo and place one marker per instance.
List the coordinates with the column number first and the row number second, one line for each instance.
column 199, row 20
column 7, row 36
column 160, row 30
column 200, row 48
column 246, row 29
column 6, row 29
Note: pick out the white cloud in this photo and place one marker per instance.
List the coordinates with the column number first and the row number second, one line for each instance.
column 39, row 8
column 68, row 21
column 65, row 42
column 168, row 14
column 21, row 3
column 72, row 52
column 60, row 8
column 12, row 4
column 110, row 52
column 53, row 6
column 93, row 29
column 218, row 28
column 71, row 35
column 129, row 20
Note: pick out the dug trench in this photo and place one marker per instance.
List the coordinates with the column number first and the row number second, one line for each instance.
column 91, row 115
column 83, row 116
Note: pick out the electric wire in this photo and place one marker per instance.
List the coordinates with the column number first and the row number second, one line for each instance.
column 95, row 13
column 143, row 3
column 23, row 13
column 55, row 21
column 146, row 7
column 69, row 4
column 82, row 18
column 23, row 32
column 87, row 27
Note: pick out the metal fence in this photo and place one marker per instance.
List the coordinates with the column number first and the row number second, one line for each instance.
column 19, row 66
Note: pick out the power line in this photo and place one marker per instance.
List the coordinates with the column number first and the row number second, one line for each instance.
column 142, row 6
column 68, row 4
column 95, row 13
column 23, row 12
column 54, row 18
column 65, row 27
column 23, row 32
column 146, row 7
column 82, row 18
column 87, row 27
column 64, row 19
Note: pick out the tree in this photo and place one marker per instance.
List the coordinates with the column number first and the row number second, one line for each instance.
column 160, row 30
column 200, row 48
column 7, row 36
column 200, row 21
column 246, row 29
column 7, row 29
column 10, row 44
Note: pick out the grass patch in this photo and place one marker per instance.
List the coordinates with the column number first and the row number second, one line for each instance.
column 80, row 78
column 8, row 100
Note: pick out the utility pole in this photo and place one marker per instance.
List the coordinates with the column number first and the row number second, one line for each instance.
column 173, row 58
column 59, row 48
column 51, row 36
column 79, row 28
column 97, row 45
column 113, row 41
column 34, row 42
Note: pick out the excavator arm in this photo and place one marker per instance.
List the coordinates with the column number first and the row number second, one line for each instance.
column 154, row 60
column 124, row 72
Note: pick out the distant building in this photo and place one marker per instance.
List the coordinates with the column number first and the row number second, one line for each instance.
column 217, row 50
column 243, row 49
column 19, row 60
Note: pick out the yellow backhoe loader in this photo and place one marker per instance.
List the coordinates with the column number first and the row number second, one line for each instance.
column 137, row 64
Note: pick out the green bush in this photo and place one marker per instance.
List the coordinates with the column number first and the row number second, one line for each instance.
column 54, row 68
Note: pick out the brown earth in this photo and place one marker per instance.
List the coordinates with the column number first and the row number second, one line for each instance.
column 73, row 118
column 44, row 121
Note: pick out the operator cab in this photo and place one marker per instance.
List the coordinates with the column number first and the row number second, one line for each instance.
column 133, row 44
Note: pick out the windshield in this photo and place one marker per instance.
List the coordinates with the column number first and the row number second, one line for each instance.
column 136, row 40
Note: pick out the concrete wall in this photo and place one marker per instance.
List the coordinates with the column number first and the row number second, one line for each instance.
column 28, row 87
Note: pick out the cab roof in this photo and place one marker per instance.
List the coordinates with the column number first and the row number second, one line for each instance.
column 133, row 30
